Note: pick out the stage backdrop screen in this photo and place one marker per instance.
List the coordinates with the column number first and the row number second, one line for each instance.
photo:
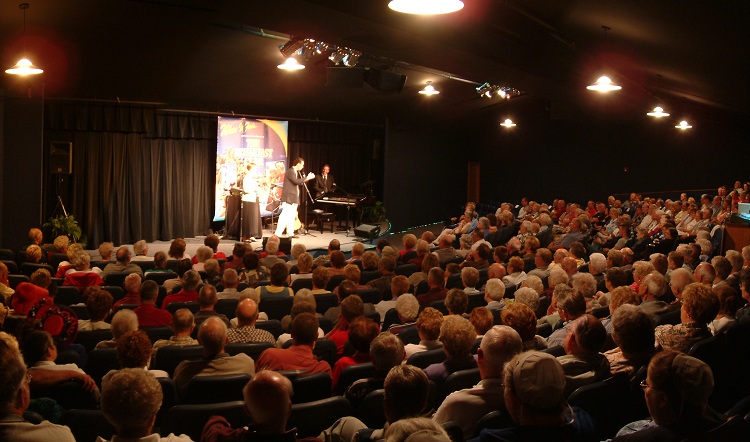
column 258, row 148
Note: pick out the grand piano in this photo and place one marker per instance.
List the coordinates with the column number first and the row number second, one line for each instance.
column 338, row 201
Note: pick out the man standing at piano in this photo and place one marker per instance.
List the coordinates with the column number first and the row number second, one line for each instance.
column 290, row 197
column 324, row 183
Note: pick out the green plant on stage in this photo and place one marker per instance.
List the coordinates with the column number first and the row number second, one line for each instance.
column 375, row 213
column 65, row 225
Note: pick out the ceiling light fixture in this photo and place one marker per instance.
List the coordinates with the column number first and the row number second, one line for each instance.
column 426, row 7
column 24, row 65
column 604, row 84
column 429, row 89
column 291, row 64
column 658, row 112
column 508, row 123
column 293, row 45
column 684, row 125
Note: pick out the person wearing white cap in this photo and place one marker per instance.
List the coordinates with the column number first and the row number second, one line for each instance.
column 534, row 385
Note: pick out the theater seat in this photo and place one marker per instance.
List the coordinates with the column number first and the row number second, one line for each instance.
column 252, row 349
column 87, row 425
column 605, row 402
column 190, row 419
column 214, row 389
column 352, row 373
column 100, row 362
column 424, row 359
column 169, row 357
column 311, row 418
column 308, row 387
column 371, row 411
column 89, row 338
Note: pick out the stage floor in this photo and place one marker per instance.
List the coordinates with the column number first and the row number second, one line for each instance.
column 315, row 242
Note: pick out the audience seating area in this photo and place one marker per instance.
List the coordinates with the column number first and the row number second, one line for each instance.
column 612, row 402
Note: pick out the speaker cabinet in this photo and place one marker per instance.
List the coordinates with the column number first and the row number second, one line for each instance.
column 284, row 246
column 385, row 81
column 368, row 231
column 60, row 157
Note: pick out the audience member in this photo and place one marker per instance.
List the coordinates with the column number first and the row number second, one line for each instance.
column 122, row 322
column 361, row 333
column 699, row 306
column 182, row 326
column 247, row 314
column 122, row 264
column 458, row 336
column 148, row 314
column 428, row 328
column 583, row 362
column 212, row 335
column 300, row 355
column 98, row 307
column 521, row 318
column 633, row 333
column 207, row 299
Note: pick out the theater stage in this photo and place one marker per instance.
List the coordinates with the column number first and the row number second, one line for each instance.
column 315, row 242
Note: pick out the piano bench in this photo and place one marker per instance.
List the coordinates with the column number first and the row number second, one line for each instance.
column 321, row 217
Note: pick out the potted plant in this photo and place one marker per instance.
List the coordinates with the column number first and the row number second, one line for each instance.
column 65, row 225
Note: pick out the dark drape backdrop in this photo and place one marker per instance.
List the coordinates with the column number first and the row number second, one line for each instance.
column 143, row 173
column 353, row 152
column 138, row 173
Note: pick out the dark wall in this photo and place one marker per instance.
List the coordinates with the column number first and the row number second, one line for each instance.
column 22, row 164
column 425, row 173
column 589, row 160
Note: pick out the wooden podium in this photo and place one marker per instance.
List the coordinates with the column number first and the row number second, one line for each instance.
column 736, row 236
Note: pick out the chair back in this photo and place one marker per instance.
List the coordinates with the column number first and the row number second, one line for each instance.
column 14, row 280
column 556, row 351
column 325, row 324
column 276, row 308
column 544, row 303
column 597, row 399
column 324, row 302
column 373, row 296
column 406, row 269
column 68, row 395
column 214, row 389
column 193, row 306
column 600, row 312
column 11, row 265
column 144, row 265
column 461, row 379
column 672, row 318
column 353, row 373
column 311, row 418
column 7, row 255
column 544, row 330
column 190, row 419
column 391, row 317
column 28, row 268
column 272, row 326
column 87, row 425
column 421, row 288
column 89, row 338
column 334, row 282
column 169, row 357
column 424, row 359
column 116, row 292
column 67, row 295
column 169, row 397
column 227, row 307
column 159, row 277
column 252, row 349
column 116, row 279
column 714, row 351
column 494, row 420
column 371, row 411
column 100, row 362
column 439, row 306
column 156, row 333
column 454, row 282
column 302, row 283
column 476, row 300
column 409, row 335
column 309, row 387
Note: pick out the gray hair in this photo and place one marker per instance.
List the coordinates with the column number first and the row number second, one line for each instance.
column 131, row 397
column 495, row 289
column 125, row 320
column 407, row 306
column 584, row 283
column 597, row 262
column 528, row 296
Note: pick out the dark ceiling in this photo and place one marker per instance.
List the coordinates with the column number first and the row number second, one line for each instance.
column 209, row 55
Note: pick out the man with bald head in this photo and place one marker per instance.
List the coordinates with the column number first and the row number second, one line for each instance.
column 212, row 335
column 122, row 264
column 207, row 299
column 268, row 402
column 247, row 314
column 467, row 406
column 182, row 327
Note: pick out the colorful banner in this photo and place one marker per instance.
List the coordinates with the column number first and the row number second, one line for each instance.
column 251, row 158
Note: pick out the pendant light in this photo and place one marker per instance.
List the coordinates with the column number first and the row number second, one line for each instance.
column 508, row 123
column 604, row 84
column 658, row 112
column 291, row 64
column 684, row 125
column 426, row 7
column 429, row 90
column 24, row 66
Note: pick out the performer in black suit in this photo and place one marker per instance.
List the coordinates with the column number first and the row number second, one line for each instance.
column 324, row 183
column 290, row 196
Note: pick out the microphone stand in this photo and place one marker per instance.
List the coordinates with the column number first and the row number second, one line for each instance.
column 309, row 196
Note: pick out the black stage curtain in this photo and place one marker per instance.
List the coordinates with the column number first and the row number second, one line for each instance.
column 353, row 152
column 138, row 173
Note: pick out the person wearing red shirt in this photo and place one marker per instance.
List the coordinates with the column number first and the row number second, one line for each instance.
column 148, row 314
column 190, row 281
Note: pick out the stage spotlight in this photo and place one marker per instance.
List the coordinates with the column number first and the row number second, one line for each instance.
column 293, row 45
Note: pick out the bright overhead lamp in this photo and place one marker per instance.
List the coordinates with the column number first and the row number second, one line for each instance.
column 658, row 112
column 603, row 84
column 426, row 7
column 291, row 64
column 24, row 65
column 508, row 123
column 429, row 89
column 684, row 125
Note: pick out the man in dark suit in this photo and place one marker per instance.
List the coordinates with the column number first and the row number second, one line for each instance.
column 324, row 183
column 290, row 196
